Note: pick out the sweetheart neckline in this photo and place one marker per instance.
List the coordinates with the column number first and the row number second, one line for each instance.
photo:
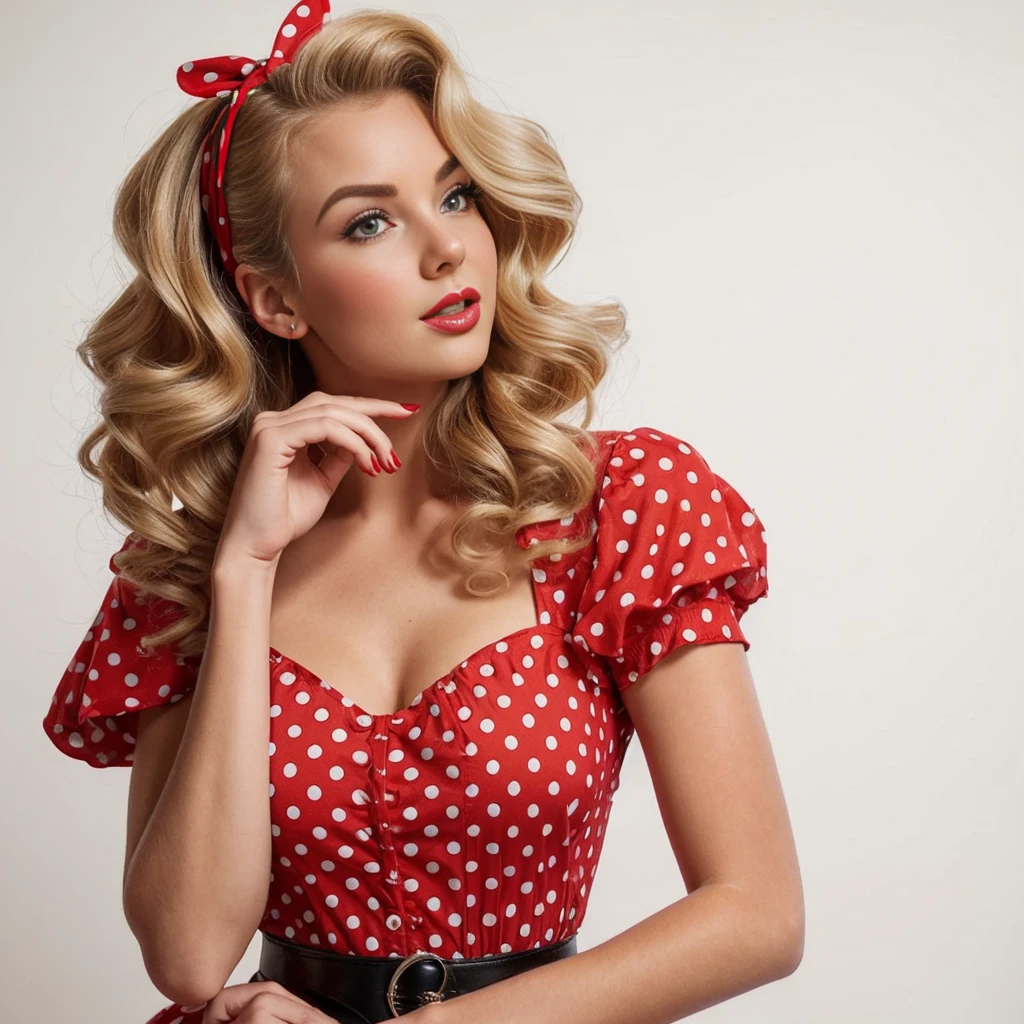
column 307, row 674
column 309, row 677
column 539, row 612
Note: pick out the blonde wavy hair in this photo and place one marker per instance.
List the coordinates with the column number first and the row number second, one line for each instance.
column 184, row 368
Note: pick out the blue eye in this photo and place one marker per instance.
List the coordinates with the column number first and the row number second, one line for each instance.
column 468, row 189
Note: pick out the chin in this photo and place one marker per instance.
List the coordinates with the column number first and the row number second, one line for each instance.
column 466, row 360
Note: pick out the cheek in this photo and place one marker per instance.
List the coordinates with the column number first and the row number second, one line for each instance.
column 483, row 249
column 356, row 289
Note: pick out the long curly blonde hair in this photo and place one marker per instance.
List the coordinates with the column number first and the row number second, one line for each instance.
column 184, row 367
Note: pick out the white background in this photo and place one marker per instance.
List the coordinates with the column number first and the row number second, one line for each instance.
column 813, row 214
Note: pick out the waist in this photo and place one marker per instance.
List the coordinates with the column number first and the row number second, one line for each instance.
column 367, row 989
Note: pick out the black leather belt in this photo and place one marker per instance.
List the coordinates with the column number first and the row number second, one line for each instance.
column 369, row 989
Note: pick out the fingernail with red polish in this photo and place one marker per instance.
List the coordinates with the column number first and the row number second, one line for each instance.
column 374, row 463
column 395, row 459
column 411, row 406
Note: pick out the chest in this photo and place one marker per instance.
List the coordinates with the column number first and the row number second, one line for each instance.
column 381, row 618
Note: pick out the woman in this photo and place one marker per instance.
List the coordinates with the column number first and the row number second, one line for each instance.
column 340, row 258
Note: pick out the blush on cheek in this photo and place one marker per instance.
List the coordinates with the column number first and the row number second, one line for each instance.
column 358, row 296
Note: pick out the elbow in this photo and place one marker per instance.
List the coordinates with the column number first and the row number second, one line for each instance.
column 774, row 926
column 182, row 984
column 188, row 960
column 789, row 946
column 778, row 918
column 183, row 972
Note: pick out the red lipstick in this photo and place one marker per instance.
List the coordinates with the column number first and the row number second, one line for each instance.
column 459, row 320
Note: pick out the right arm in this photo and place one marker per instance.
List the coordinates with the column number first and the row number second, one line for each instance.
column 198, row 855
column 196, row 879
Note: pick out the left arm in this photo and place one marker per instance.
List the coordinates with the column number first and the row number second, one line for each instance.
column 741, row 925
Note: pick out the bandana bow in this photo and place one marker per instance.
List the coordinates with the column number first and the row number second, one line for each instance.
column 237, row 77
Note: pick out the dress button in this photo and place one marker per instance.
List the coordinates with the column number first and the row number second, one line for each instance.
column 393, row 921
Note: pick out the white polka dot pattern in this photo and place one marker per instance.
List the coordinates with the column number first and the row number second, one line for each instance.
column 237, row 76
column 94, row 713
column 680, row 557
column 472, row 821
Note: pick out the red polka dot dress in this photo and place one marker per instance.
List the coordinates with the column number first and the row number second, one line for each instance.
column 472, row 821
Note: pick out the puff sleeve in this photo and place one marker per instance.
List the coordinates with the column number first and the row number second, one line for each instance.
column 679, row 557
column 93, row 714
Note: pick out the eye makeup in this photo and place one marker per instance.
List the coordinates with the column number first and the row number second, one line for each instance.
column 467, row 188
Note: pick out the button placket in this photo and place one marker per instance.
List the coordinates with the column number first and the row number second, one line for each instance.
column 379, row 737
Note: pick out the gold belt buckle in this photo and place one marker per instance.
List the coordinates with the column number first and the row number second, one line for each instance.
column 424, row 997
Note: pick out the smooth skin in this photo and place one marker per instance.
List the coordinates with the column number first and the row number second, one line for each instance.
column 358, row 314
column 696, row 713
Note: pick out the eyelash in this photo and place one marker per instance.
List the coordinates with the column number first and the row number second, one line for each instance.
column 467, row 188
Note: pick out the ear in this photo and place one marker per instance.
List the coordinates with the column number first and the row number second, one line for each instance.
column 267, row 304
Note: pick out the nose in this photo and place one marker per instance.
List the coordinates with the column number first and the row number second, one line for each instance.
column 444, row 248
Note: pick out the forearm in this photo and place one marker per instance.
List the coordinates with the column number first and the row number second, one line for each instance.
column 705, row 948
column 197, row 883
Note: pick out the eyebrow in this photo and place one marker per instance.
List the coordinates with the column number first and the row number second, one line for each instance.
column 382, row 189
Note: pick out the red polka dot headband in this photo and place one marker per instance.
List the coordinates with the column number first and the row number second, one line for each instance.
column 237, row 77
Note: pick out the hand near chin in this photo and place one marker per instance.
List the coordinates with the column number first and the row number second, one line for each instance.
column 279, row 492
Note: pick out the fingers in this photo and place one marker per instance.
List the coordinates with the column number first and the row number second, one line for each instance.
column 359, row 436
column 360, row 403
column 261, row 1002
column 340, row 420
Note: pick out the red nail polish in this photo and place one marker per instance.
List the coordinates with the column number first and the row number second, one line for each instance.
column 395, row 459
column 374, row 462
column 411, row 406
